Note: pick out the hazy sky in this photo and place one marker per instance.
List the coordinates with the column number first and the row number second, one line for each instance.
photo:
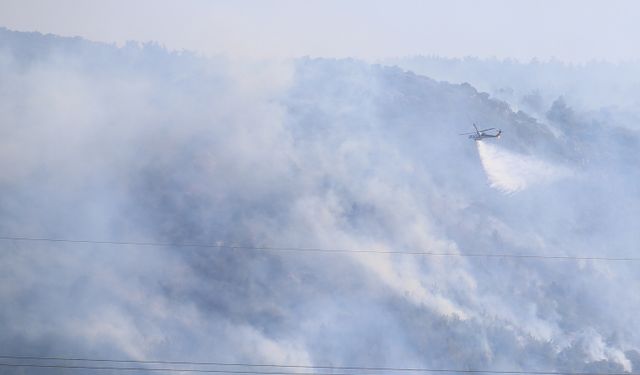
column 570, row 30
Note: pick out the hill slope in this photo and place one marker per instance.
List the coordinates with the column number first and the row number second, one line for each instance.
column 139, row 144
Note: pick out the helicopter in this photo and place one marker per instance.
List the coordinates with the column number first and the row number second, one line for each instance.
column 480, row 134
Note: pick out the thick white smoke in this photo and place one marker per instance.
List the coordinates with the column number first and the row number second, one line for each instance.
column 138, row 144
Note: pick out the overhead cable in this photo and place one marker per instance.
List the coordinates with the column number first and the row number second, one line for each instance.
column 355, row 370
column 318, row 250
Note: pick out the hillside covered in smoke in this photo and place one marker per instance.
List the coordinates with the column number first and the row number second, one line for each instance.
column 608, row 92
column 138, row 144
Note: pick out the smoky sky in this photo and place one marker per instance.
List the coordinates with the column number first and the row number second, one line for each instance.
column 136, row 143
column 570, row 30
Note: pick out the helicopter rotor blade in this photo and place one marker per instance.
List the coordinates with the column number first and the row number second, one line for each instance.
column 484, row 130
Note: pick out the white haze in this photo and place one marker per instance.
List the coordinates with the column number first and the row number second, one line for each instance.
column 138, row 144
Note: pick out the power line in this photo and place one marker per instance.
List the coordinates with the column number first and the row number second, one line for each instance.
column 320, row 250
column 263, row 365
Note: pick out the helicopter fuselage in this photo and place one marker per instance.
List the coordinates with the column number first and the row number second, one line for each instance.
column 482, row 135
